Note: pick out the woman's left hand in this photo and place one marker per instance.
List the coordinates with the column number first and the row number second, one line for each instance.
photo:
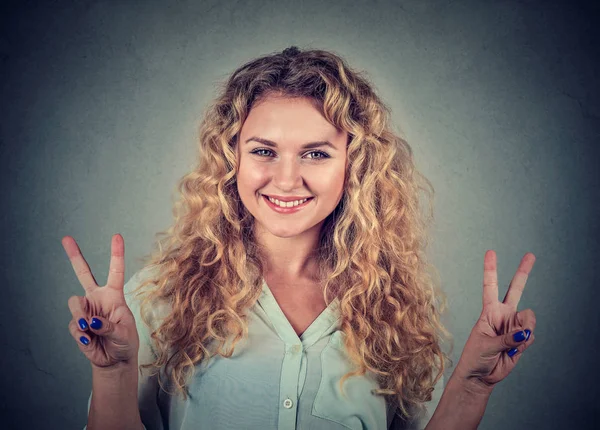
column 501, row 334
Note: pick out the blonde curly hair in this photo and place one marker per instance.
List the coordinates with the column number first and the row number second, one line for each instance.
column 371, row 252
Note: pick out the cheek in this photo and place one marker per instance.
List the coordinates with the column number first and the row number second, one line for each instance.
column 250, row 178
column 336, row 185
column 260, row 171
column 251, row 172
column 334, row 181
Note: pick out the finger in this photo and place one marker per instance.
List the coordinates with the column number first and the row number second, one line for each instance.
column 515, row 289
column 508, row 341
column 518, row 350
column 102, row 326
column 116, row 270
column 529, row 342
column 490, row 279
column 84, row 340
column 80, row 266
column 523, row 337
column 526, row 319
column 77, row 306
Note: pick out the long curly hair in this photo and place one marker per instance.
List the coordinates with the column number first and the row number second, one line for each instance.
column 371, row 251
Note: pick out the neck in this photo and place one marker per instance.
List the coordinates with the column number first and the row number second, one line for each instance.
column 292, row 258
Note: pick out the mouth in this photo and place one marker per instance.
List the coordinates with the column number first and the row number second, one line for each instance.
column 282, row 209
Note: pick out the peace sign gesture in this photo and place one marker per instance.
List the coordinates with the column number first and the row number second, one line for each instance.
column 102, row 323
column 501, row 334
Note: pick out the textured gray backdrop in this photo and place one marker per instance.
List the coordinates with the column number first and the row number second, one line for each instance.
column 100, row 103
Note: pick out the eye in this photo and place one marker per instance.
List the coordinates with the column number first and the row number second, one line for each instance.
column 256, row 151
column 322, row 155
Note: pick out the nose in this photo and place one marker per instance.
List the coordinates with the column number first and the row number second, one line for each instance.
column 287, row 175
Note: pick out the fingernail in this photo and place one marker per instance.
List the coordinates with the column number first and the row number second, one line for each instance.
column 518, row 337
column 84, row 340
column 512, row 352
column 528, row 333
column 83, row 323
column 96, row 324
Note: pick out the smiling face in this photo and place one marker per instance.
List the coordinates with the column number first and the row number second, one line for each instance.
column 274, row 160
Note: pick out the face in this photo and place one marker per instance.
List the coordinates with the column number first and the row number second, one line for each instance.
column 274, row 160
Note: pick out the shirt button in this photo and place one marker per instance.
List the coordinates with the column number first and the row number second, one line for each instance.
column 296, row 348
column 287, row 403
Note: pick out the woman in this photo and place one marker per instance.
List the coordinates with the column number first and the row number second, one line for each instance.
column 292, row 290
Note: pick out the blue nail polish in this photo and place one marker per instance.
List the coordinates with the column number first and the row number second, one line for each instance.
column 519, row 336
column 96, row 324
column 512, row 352
column 84, row 340
column 83, row 324
column 528, row 333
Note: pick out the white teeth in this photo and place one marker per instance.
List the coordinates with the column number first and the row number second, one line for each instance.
column 286, row 204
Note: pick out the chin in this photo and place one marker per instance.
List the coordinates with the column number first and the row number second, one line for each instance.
column 284, row 232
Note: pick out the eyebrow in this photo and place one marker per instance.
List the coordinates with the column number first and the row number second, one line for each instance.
column 308, row 145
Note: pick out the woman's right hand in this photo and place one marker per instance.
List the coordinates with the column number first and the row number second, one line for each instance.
column 102, row 324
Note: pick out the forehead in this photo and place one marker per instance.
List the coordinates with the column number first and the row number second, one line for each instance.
column 282, row 118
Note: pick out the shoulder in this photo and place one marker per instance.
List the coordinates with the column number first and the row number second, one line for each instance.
column 137, row 278
column 134, row 298
column 130, row 289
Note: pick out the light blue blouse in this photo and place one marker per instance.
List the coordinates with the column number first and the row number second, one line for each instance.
column 275, row 379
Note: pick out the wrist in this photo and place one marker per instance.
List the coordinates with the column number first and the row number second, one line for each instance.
column 116, row 370
column 462, row 404
column 469, row 384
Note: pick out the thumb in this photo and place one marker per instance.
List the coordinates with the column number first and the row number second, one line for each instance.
column 511, row 340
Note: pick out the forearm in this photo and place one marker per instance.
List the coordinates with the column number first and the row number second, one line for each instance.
column 114, row 402
column 461, row 406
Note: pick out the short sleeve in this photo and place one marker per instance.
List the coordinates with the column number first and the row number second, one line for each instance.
column 147, row 385
column 420, row 422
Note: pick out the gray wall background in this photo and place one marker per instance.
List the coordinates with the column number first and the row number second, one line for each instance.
column 500, row 101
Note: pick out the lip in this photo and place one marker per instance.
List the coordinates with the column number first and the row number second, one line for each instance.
column 287, row 199
column 289, row 210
